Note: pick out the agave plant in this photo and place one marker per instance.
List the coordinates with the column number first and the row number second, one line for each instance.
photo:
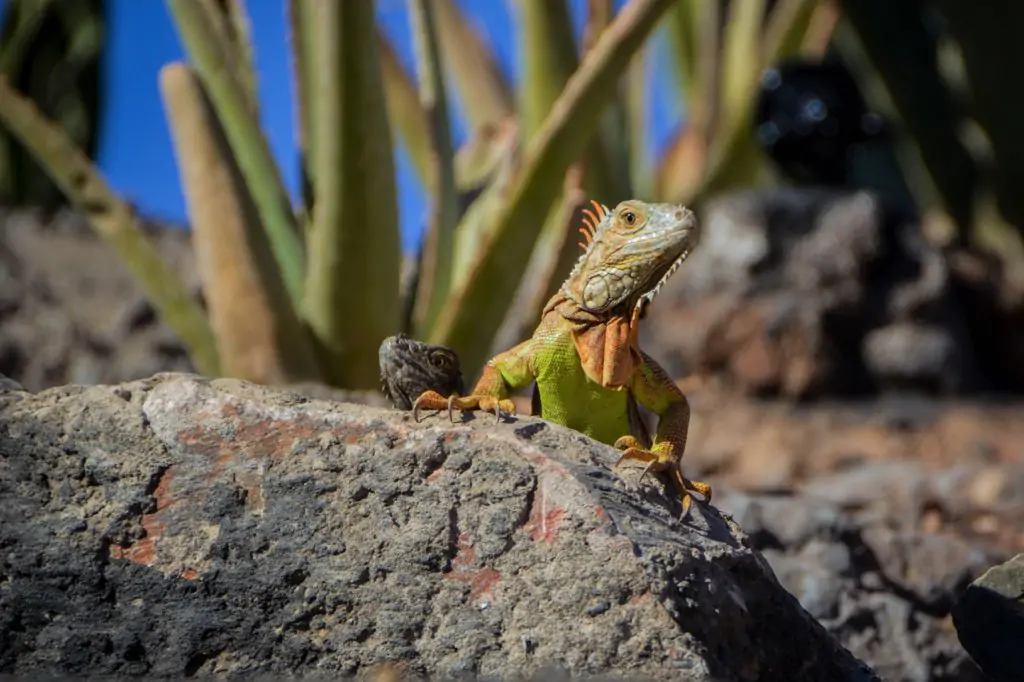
column 308, row 291
column 40, row 38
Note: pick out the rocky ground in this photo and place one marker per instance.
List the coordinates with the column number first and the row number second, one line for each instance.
column 855, row 394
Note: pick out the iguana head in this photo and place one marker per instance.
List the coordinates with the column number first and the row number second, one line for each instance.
column 631, row 252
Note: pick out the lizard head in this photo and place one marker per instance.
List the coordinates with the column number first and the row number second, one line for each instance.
column 632, row 250
column 409, row 367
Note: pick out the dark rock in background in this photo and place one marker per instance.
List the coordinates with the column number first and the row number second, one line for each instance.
column 989, row 619
column 70, row 313
column 808, row 292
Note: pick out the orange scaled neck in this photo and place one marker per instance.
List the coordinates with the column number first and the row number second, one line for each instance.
column 608, row 346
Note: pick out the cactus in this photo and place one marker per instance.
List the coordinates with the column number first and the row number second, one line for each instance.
column 312, row 289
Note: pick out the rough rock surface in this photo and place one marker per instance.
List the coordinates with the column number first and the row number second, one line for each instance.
column 177, row 526
column 989, row 619
column 884, row 589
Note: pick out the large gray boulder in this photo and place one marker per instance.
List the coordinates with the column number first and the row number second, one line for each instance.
column 179, row 526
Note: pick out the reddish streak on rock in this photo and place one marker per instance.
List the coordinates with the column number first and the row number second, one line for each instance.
column 543, row 524
column 252, row 435
column 436, row 474
column 259, row 437
column 480, row 580
column 143, row 551
column 640, row 599
column 602, row 515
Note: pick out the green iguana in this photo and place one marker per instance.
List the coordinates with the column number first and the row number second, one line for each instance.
column 584, row 354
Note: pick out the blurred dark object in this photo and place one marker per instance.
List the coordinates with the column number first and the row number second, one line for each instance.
column 808, row 116
column 51, row 51
column 815, row 125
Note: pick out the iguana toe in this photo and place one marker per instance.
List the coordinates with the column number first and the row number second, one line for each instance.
column 428, row 400
column 431, row 400
column 663, row 460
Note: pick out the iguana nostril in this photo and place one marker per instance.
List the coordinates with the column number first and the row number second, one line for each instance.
column 679, row 215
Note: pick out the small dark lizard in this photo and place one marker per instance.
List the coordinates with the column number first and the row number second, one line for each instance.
column 408, row 368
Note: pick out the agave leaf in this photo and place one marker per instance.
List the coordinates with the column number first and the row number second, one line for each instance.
column 352, row 283
column 114, row 221
column 641, row 165
column 38, row 39
column 683, row 25
column 548, row 51
column 479, row 218
column 742, row 56
column 695, row 33
column 259, row 335
column 250, row 146
column 609, row 175
column 483, row 91
column 230, row 20
column 300, row 24
column 469, row 323
column 901, row 48
column 27, row 18
column 821, row 29
column 405, row 113
column 436, row 266
column 787, row 25
column 545, row 72
column 478, row 159
column 682, row 166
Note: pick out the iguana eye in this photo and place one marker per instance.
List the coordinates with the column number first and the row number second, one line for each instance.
column 441, row 360
column 629, row 217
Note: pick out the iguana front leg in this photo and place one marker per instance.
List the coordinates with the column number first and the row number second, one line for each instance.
column 505, row 372
column 653, row 389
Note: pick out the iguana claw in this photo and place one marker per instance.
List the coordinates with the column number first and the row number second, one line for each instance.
column 432, row 400
column 661, row 459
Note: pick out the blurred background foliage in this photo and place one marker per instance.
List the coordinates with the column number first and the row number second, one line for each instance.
column 53, row 53
column 915, row 100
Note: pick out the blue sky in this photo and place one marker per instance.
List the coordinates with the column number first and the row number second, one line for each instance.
column 135, row 150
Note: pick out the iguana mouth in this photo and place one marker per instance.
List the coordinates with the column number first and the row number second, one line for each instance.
column 648, row 296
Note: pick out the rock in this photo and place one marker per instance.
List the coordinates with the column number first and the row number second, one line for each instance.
column 989, row 620
column 63, row 301
column 7, row 384
column 907, row 354
column 880, row 585
column 807, row 292
column 178, row 526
